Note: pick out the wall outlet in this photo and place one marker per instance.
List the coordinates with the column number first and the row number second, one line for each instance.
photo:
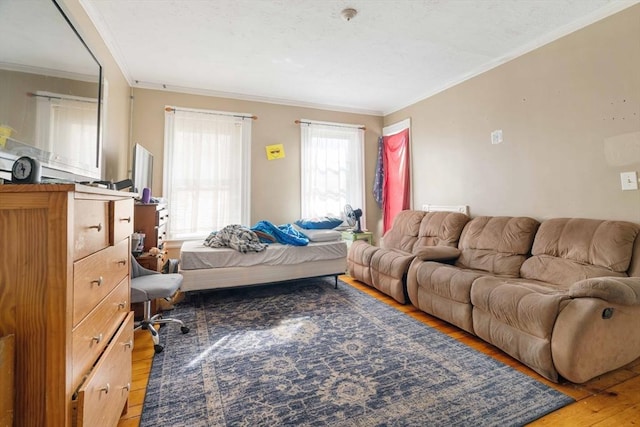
column 496, row 136
column 629, row 180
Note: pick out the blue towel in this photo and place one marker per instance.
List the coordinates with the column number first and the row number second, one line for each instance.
column 284, row 233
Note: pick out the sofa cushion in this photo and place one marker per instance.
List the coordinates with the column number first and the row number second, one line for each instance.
column 404, row 232
column 436, row 253
column 497, row 245
column 634, row 267
column 526, row 305
column 567, row 250
column 443, row 291
column 440, row 229
column 518, row 317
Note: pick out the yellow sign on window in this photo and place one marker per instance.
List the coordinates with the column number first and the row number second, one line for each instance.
column 275, row 151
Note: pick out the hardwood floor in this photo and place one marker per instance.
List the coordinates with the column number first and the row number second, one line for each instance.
column 610, row 400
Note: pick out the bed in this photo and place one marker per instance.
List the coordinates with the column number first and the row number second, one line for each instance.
column 214, row 268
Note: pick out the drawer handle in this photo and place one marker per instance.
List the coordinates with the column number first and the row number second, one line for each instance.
column 127, row 387
column 106, row 388
column 122, row 305
column 129, row 344
column 98, row 281
column 122, row 262
column 97, row 338
column 97, row 227
column 126, row 219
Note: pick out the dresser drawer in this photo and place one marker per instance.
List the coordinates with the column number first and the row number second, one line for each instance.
column 121, row 215
column 161, row 233
column 95, row 276
column 162, row 216
column 104, row 394
column 93, row 333
column 91, row 227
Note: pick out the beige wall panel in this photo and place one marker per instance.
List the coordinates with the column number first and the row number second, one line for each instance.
column 570, row 115
column 275, row 184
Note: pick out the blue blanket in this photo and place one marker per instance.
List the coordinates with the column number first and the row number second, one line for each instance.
column 284, row 233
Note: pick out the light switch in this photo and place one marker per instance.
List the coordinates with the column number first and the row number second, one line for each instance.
column 629, row 180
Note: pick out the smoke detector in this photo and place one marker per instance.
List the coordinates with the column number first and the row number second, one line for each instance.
column 348, row 14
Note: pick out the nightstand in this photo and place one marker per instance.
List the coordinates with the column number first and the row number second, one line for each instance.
column 351, row 237
column 151, row 220
column 150, row 262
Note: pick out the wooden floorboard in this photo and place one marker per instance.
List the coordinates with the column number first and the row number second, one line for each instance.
column 612, row 399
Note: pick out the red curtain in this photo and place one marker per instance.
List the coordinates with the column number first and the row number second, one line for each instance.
column 396, row 191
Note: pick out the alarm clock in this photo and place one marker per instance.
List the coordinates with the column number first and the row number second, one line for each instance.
column 26, row 170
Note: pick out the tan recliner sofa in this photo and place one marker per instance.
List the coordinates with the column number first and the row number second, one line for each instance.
column 488, row 246
column 563, row 296
column 413, row 232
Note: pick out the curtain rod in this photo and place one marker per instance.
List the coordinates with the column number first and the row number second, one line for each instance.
column 242, row 116
column 63, row 98
column 306, row 122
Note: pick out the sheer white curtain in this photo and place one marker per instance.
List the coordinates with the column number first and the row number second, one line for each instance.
column 206, row 171
column 68, row 122
column 332, row 168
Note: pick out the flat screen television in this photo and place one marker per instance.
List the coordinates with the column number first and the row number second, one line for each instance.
column 142, row 169
column 51, row 86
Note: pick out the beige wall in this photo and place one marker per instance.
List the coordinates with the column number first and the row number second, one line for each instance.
column 115, row 136
column 570, row 113
column 275, row 184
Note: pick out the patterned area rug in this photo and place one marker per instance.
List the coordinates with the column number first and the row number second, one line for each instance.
column 305, row 353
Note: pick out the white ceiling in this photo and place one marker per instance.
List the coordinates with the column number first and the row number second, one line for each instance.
column 302, row 52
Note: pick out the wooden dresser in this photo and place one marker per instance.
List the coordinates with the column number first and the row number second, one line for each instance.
column 151, row 219
column 64, row 290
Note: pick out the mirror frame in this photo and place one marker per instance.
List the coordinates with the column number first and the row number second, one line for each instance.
column 69, row 169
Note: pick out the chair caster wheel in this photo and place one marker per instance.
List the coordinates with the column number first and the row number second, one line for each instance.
column 184, row 329
column 158, row 348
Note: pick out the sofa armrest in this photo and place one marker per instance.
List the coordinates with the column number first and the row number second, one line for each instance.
column 618, row 290
column 437, row 253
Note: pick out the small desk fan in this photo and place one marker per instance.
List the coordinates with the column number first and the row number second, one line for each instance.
column 353, row 218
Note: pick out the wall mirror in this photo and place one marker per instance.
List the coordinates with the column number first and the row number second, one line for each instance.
column 50, row 92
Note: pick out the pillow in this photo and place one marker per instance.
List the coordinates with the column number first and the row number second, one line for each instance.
column 320, row 223
column 321, row 235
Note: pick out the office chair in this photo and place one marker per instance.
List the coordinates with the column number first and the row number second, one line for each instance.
column 148, row 285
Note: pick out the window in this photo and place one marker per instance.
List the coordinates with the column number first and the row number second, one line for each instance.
column 206, row 171
column 332, row 168
column 64, row 124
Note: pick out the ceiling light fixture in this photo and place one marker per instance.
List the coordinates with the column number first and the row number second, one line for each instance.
column 348, row 14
